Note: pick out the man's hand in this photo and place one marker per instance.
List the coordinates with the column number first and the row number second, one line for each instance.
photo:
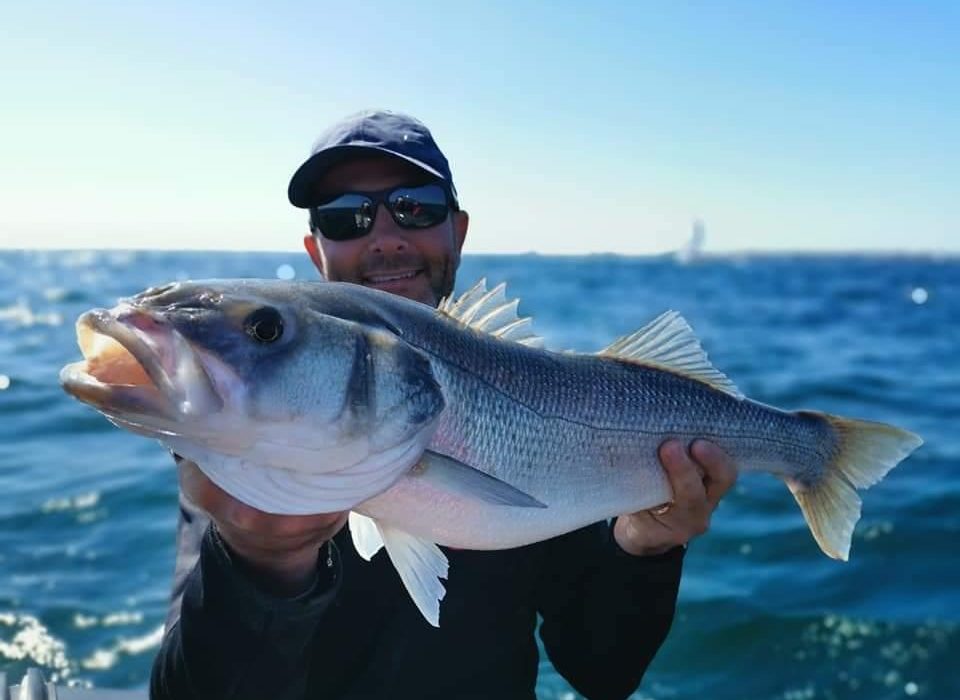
column 278, row 551
column 699, row 480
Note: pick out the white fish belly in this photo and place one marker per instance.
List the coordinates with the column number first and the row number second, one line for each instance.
column 413, row 505
column 581, row 473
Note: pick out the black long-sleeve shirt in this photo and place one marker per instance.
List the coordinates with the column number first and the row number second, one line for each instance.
column 357, row 633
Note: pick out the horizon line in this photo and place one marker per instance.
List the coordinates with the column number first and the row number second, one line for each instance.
column 701, row 255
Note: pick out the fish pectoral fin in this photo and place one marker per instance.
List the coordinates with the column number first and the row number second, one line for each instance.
column 450, row 475
column 421, row 565
column 669, row 343
column 365, row 534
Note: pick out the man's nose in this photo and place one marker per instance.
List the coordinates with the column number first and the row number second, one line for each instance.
column 386, row 236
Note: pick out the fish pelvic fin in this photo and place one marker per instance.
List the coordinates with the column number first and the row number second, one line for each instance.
column 365, row 535
column 669, row 343
column 492, row 312
column 867, row 452
column 421, row 564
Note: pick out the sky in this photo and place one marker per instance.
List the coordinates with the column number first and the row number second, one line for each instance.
column 571, row 127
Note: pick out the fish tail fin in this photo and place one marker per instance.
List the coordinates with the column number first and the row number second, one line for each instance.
column 866, row 452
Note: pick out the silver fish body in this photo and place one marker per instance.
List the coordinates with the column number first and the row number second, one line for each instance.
column 316, row 397
column 581, row 435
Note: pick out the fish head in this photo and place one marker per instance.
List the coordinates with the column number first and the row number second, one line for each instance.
column 253, row 369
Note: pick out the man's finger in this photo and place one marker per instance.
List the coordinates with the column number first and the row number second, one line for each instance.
column 684, row 475
column 720, row 472
column 196, row 486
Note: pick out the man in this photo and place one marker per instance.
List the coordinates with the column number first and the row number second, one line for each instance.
column 283, row 607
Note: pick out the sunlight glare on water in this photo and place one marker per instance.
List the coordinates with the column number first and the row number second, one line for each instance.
column 24, row 637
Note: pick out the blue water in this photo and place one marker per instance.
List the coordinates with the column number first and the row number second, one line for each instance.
column 87, row 512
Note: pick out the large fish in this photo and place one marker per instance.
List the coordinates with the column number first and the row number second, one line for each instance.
column 447, row 426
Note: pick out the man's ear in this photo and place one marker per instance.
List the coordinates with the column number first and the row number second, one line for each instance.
column 461, row 222
column 313, row 250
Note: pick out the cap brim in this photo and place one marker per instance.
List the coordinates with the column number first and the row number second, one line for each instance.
column 302, row 189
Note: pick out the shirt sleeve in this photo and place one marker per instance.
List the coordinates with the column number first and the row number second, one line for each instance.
column 225, row 638
column 605, row 613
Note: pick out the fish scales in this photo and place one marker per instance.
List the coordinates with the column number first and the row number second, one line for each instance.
column 581, row 432
column 502, row 397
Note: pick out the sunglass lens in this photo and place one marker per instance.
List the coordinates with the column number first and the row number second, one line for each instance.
column 418, row 207
column 346, row 217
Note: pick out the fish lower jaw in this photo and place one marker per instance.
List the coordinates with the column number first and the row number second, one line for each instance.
column 140, row 399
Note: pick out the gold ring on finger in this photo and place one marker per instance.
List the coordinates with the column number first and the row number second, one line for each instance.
column 662, row 510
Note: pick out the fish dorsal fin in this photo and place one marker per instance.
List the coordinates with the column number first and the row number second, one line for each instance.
column 491, row 312
column 669, row 343
column 366, row 537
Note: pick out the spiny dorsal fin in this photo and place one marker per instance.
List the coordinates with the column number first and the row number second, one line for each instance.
column 669, row 343
column 491, row 312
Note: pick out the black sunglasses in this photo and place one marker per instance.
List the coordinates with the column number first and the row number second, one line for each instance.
column 351, row 214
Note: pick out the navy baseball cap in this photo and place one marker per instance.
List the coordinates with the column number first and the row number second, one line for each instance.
column 377, row 131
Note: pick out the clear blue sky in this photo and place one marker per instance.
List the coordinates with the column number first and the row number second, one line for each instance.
column 784, row 125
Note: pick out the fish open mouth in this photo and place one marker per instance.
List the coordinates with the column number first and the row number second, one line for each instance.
column 134, row 363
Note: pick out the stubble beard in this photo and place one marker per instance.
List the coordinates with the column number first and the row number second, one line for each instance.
column 443, row 289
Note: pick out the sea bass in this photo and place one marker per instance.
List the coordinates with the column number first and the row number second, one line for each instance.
column 449, row 426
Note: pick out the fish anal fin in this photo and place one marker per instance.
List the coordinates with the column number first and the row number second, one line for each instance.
column 668, row 343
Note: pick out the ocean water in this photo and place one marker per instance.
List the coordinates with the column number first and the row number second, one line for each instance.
column 87, row 511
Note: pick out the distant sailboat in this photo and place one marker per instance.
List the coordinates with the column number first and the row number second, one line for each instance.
column 693, row 248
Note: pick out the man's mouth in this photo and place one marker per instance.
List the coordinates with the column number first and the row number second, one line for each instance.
column 389, row 277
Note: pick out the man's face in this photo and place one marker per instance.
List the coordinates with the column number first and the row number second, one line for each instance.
column 419, row 264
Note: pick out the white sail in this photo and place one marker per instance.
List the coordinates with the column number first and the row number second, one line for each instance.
column 693, row 248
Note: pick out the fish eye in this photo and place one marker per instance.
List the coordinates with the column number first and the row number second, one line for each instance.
column 265, row 325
